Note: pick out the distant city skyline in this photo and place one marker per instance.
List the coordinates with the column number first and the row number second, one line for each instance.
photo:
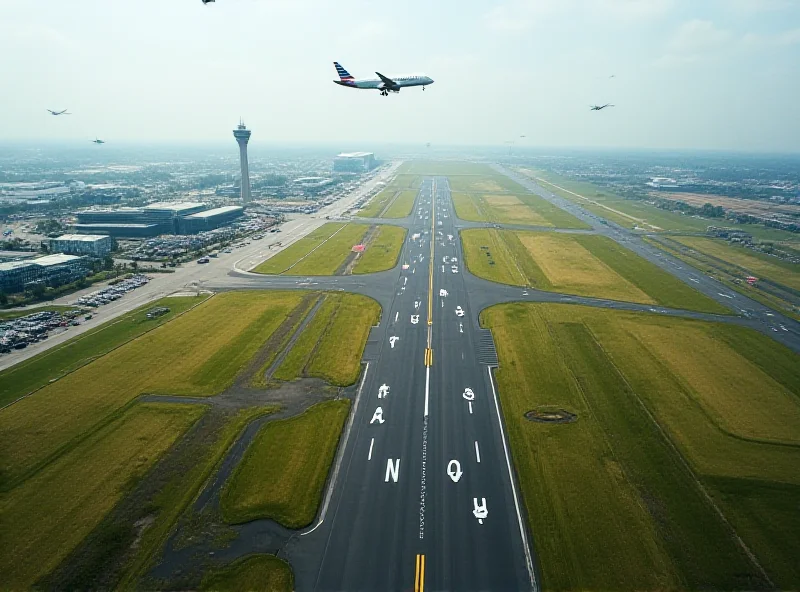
column 716, row 75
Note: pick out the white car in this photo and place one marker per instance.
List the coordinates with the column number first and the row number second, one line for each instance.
column 459, row 311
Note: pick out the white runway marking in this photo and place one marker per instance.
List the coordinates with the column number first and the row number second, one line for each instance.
column 454, row 470
column 470, row 407
column 396, row 316
column 427, row 388
column 477, row 452
column 392, row 470
column 377, row 416
column 372, row 443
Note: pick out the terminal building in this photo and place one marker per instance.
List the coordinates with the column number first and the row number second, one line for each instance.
column 354, row 162
column 151, row 220
column 82, row 244
column 51, row 270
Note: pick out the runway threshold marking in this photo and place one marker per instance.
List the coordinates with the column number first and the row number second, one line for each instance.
column 419, row 574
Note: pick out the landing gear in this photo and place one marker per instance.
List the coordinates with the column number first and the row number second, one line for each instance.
column 384, row 92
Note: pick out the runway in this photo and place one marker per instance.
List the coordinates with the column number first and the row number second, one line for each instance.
column 424, row 498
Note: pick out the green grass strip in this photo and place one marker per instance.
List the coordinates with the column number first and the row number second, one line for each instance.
column 284, row 470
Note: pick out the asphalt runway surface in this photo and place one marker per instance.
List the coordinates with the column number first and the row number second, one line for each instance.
column 424, row 496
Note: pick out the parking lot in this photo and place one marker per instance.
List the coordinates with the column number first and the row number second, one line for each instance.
column 20, row 332
column 112, row 292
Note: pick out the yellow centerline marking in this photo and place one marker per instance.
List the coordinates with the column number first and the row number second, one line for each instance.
column 429, row 351
column 419, row 574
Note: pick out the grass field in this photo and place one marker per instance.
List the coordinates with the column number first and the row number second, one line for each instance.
column 584, row 265
column 199, row 353
column 402, row 205
column 14, row 313
column 383, row 251
column 39, row 370
column 609, row 501
column 48, row 515
column 467, row 208
column 320, row 253
column 404, row 187
column 182, row 488
column 377, row 204
column 253, row 572
column 331, row 345
column 284, row 470
column 757, row 264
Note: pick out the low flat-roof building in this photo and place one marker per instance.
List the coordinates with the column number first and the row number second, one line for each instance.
column 82, row 244
column 154, row 219
column 210, row 219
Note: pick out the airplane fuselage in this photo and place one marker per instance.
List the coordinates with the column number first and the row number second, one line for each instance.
column 378, row 84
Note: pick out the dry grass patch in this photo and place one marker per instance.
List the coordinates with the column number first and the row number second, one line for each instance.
column 570, row 267
column 736, row 393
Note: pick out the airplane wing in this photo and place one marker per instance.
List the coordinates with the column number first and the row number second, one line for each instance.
column 387, row 81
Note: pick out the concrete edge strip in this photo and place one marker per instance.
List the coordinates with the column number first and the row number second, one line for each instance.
column 340, row 456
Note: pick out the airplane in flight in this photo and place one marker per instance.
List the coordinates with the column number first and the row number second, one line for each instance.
column 64, row 112
column 599, row 107
column 385, row 84
column 96, row 141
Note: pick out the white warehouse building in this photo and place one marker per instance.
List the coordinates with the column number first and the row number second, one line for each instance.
column 354, row 162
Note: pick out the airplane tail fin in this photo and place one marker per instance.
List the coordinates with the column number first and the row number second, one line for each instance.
column 344, row 75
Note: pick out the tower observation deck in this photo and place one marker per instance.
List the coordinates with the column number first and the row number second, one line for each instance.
column 242, row 135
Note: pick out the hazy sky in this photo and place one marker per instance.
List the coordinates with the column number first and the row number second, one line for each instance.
column 687, row 73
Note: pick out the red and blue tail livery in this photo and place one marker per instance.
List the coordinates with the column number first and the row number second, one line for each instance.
column 344, row 75
column 385, row 84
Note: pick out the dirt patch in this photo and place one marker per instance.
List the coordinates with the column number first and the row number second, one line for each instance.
column 550, row 415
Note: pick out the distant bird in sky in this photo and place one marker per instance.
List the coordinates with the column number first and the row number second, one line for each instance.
column 96, row 141
column 599, row 107
column 207, row 1
column 64, row 112
column 613, row 76
column 522, row 136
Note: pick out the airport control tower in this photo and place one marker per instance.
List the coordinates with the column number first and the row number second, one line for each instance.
column 242, row 135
